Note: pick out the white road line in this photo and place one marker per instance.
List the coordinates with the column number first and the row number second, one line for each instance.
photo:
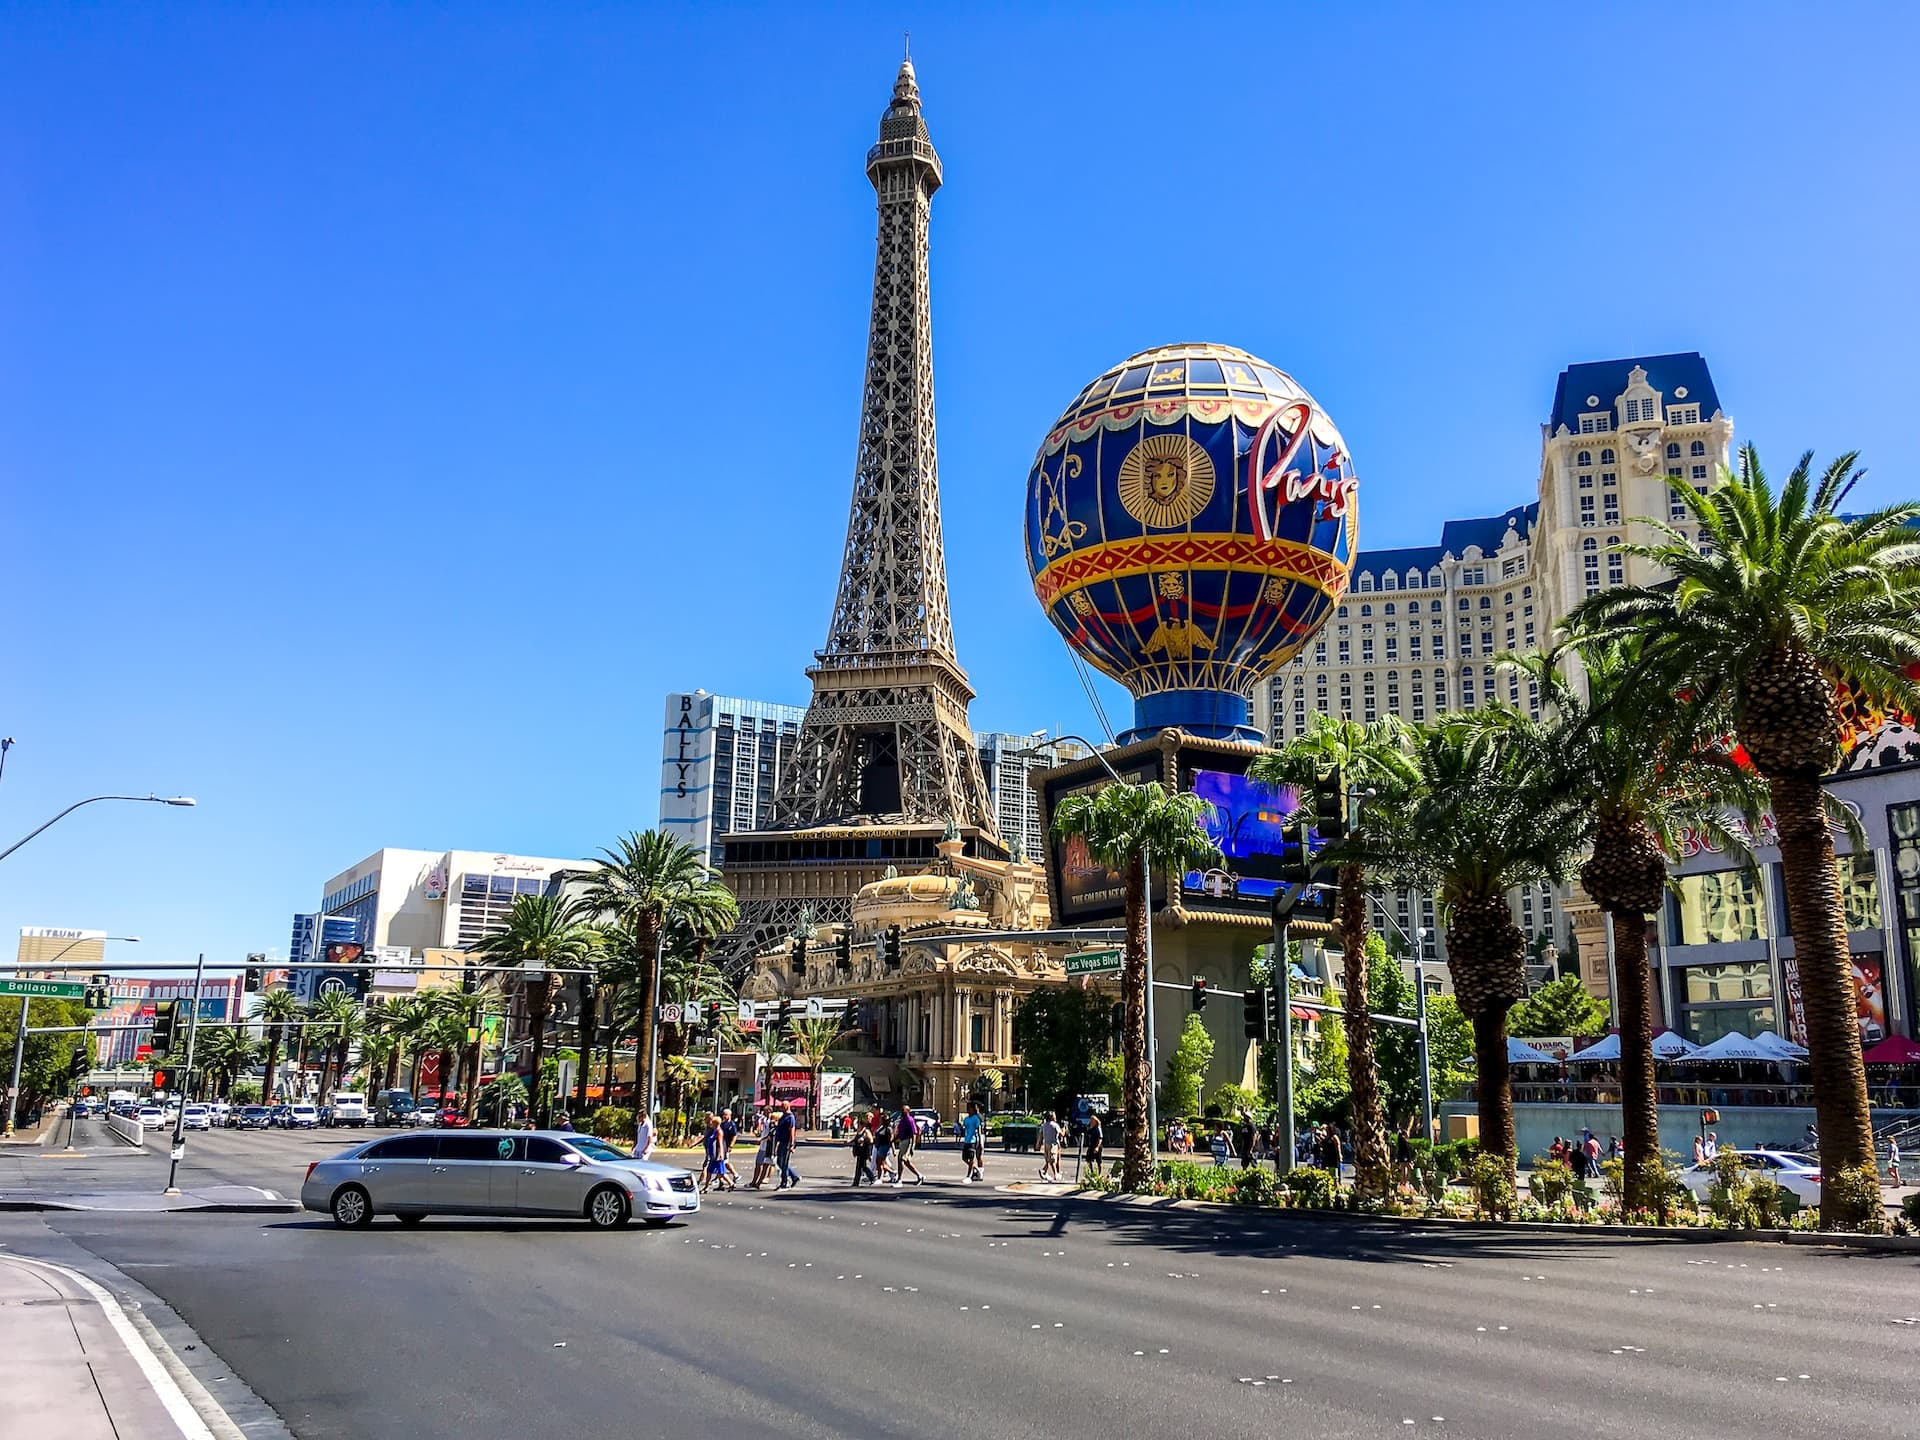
column 178, row 1408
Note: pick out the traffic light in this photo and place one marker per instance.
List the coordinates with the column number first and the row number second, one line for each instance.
column 713, row 1014
column 256, row 974
column 1330, row 806
column 843, row 951
column 97, row 998
column 1259, row 1014
column 362, row 983
column 1296, row 861
column 798, row 963
column 785, row 1012
column 80, row 1064
column 1199, row 993
column 890, row 947
column 162, row 1038
column 159, row 1079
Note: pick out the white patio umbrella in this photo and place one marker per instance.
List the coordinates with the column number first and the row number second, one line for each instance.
column 1786, row 1049
column 1600, row 1050
column 1669, row 1045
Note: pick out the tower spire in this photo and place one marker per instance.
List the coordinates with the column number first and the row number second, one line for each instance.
column 886, row 733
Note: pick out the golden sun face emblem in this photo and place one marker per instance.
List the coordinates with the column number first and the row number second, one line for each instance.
column 1165, row 481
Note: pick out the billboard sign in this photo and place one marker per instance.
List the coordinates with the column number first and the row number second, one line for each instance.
column 1869, row 996
column 1246, row 819
column 1084, row 889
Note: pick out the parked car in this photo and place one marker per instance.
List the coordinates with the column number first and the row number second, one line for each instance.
column 1797, row 1172
column 151, row 1117
column 423, row 1116
column 349, row 1108
column 220, row 1110
column 280, row 1116
column 196, row 1117
column 303, row 1117
column 928, row 1123
column 496, row 1172
column 251, row 1117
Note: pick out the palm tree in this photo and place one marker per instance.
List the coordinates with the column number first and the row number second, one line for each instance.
column 409, row 1020
column 379, row 1052
column 459, row 1017
column 639, row 881
column 1484, row 821
column 1374, row 756
column 813, row 1040
column 547, row 932
column 1783, row 600
column 1127, row 828
column 1643, row 766
column 620, row 967
column 224, row 1053
column 337, row 1015
column 278, row 1008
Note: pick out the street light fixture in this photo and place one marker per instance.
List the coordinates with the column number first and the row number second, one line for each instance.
column 95, row 799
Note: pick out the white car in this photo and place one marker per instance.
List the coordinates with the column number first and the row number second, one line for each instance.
column 303, row 1117
column 1790, row 1168
column 196, row 1117
column 221, row 1112
column 151, row 1117
column 424, row 1117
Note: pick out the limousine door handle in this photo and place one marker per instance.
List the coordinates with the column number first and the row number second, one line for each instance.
column 439, row 1169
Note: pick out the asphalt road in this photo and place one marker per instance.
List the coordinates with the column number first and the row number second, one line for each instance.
column 948, row 1309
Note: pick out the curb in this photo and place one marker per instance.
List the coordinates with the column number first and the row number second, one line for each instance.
column 212, row 1207
column 1689, row 1234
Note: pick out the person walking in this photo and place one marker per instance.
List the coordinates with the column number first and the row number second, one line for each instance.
column 1091, row 1141
column 1893, row 1162
column 763, row 1150
column 1050, row 1149
column 1712, row 1147
column 862, row 1147
column 643, row 1137
column 881, row 1128
column 714, row 1167
column 784, row 1130
column 1243, row 1140
column 1699, row 1150
column 906, row 1139
column 1592, row 1150
column 972, row 1141
column 729, row 1132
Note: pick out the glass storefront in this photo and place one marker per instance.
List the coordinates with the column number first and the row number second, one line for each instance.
column 1719, row 907
column 1859, row 894
column 1705, row 1024
column 1711, row 984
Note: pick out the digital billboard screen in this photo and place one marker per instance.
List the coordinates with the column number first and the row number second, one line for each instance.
column 1085, row 891
column 1245, row 818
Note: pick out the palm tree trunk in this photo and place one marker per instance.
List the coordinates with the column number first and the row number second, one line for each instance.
column 1487, row 954
column 613, row 1043
column 649, row 948
column 537, row 1022
column 1826, row 980
column 393, row 1068
column 1639, row 1100
column 273, row 1062
column 1493, row 1085
column 1136, row 1167
column 1370, row 1163
column 473, row 1073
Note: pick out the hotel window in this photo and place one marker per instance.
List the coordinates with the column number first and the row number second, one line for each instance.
column 1673, row 472
column 1473, row 575
column 1346, row 651
column 1615, row 564
column 1433, row 606
column 1586, row 510
column 1366, row 583
column 1486, row 643
column 1595, row 424
column 1529, row 633
column 1610, row 508
column 1607, row 477
column 1533, row 698
column 1676, row 507
column 1510, row 634
column 1366, row 613
column 1699, row 472
column 1673, row 450
column 1393, row 652
column 1683, row 415
column 1366, row 651
column 1606, row 457
column 1721, row 907
column 1466, row 688
column 1486, row 602
column 1439, row 648
column 1526, row 593
column 1585, row 457
column 1319, row 652
column 1699, row 447
column 1586, row 482
column 1388, row 611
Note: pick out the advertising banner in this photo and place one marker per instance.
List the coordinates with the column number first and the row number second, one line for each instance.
column 1084, row 889
column 1869, row 994
column 788, row 1085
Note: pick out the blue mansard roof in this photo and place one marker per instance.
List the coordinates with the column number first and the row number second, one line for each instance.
column 1455, row 536
column 1605, row 380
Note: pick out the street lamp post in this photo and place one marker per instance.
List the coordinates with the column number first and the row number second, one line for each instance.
column 20, row 1040
column 1146, row 869
column 1418, row 941
column 94, row 800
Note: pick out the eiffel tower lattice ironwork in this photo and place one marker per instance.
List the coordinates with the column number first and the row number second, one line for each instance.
column 886, row 734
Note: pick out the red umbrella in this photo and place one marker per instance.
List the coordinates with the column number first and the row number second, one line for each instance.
column 1894, row 1050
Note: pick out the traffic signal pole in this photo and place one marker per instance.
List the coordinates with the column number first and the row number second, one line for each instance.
column 180, row 1121
column 1283, row 995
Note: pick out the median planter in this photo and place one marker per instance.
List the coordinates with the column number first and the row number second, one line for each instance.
column 1021, row 1139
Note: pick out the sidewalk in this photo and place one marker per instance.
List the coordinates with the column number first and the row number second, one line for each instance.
column 72, row 1365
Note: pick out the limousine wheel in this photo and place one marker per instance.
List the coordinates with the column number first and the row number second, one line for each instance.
column 607, row 1208
column 352, row 1207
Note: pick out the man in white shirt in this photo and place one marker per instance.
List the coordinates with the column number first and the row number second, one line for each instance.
column 1050, row 1148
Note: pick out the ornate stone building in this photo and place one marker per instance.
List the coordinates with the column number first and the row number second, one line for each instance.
column 924, row 1034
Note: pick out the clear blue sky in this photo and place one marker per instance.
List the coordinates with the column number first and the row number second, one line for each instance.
column 396, row 401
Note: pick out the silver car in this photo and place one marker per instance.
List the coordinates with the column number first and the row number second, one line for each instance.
column 496, row 1172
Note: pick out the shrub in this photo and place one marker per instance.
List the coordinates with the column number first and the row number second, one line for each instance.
column 1433, row 1166
column 1613, row 1181
column 1551, row 1180
column 1491, row 1180
column 1257, row 1186
column 1730, row 1192
column 1910, row 1209
column 1772, row 1202
column 611, row 1122
column 1311, row 1187
column 1859, row 1189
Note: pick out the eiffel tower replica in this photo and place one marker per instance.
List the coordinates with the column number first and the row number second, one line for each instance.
column 885, row 767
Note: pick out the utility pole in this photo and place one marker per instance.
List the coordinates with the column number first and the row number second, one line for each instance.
column 1420, row 1015
column 1153, row 1049
column 1283, row 904
column 180, row 1121
column 19, row 1058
